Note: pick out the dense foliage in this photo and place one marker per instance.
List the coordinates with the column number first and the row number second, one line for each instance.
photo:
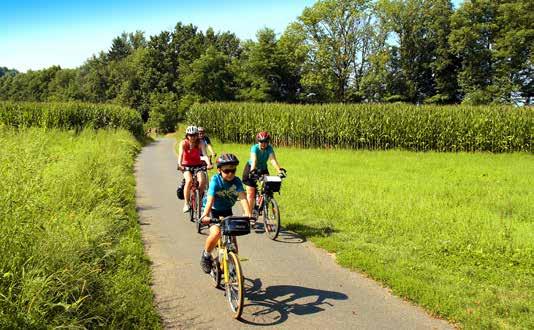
column 72, row 255
column 70, row 115
column 377, row 126
column 336, row 51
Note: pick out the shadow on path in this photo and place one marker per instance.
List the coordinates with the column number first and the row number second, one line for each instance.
column 274, row 304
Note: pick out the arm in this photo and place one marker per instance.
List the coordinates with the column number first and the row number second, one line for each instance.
column 180, row 155
column 274, row 162
column 244, row 204
column 207, row 209
column 206, row 159
column 253, row 159
column 210, row 149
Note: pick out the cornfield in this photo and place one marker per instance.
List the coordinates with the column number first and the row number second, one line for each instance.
column 372, row 126
column 72, row 115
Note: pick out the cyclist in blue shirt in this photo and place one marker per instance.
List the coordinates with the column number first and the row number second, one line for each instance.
column 224, row 190
column 260, row 153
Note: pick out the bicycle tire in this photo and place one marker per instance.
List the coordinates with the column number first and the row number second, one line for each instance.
column 271, row 218
column 216, row 269
column 192, row 201
column 198, row 223
column 234, row 289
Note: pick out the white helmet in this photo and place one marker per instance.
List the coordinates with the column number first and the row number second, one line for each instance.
column 191, row 130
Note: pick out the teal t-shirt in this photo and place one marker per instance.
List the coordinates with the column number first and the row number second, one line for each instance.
column 262, row 156
column 225, row 192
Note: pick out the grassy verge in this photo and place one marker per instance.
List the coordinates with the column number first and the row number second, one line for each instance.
column 71, row 248
column 453, row 232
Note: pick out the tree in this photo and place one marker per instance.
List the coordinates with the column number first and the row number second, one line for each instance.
column 471, row 39
column 421, row 30
column 339, row 38
column 210, row 78
column 120, row 48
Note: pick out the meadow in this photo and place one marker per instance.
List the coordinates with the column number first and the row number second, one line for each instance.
column 453, row 232
column 72, row 255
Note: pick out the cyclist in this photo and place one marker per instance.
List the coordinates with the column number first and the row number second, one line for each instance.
column 189, row 158
column 206, row 140
column 260, row 153
column 224, row 190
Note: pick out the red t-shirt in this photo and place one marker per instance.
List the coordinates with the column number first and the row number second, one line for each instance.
column 191, row 155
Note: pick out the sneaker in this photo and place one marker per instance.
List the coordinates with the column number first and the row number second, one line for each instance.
column 205, row 262
column 186, row 208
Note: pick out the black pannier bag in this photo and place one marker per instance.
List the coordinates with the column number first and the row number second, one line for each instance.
column 272, row 183
column 236, row 226
column 180, row 190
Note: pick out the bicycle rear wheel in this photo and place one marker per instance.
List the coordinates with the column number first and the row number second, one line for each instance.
column 234, row 287
column 271, row 218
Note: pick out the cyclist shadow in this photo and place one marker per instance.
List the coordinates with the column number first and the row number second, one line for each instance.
column 285, row 236
column 274, row 304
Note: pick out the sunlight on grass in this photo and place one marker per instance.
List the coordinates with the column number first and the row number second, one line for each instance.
column 452, row 231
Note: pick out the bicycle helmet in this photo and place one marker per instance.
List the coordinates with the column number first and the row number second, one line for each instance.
column 191, row 130
column 263, row 136
column 227, row 159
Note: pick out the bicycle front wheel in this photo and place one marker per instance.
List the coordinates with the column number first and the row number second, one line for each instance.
column 234, row 287
column 197, row 210
column 271, row 218
column 193, row 205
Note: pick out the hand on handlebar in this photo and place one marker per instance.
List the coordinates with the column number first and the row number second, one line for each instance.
column 205, row 219
column 180, row 167
column 282, row 172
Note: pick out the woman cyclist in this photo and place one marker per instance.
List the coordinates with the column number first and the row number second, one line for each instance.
column 260, row 153
column 189, row 158
column 224, row 190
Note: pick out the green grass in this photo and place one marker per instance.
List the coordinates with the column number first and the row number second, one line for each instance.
column 453, row 232
column 72, row 254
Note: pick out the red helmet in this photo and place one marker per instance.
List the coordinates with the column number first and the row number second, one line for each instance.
column 263, row 136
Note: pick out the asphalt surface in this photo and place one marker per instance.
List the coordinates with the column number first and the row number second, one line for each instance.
column 288, row 283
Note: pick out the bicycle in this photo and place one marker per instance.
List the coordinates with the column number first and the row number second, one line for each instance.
column 195, row 200
column 226, row 265
column 265, row 204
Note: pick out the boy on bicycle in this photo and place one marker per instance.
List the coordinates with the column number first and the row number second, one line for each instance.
column 224, row 190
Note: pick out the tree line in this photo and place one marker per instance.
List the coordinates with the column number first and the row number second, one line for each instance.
column 350, row 51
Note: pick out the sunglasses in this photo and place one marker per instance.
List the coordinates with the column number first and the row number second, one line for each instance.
column 228, row 170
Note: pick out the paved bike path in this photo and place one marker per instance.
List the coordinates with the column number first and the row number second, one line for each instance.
column 289, row 283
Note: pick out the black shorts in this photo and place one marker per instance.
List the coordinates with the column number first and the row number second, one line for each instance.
column 247, row 180
column 195, row 169
column 221, row 213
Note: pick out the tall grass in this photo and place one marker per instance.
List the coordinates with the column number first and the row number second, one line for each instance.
column 453, row 232
column 372, row 126
column 70, row 115
column 71, row 249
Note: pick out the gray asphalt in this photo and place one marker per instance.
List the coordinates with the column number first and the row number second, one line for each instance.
column 289, row 283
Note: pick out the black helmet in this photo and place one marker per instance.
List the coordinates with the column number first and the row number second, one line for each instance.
column 227, row 159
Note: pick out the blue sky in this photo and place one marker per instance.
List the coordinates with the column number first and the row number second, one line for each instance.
column 38, row 34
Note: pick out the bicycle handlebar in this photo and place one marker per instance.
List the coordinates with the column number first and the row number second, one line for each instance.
column 256, row 176
column 232, row 217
